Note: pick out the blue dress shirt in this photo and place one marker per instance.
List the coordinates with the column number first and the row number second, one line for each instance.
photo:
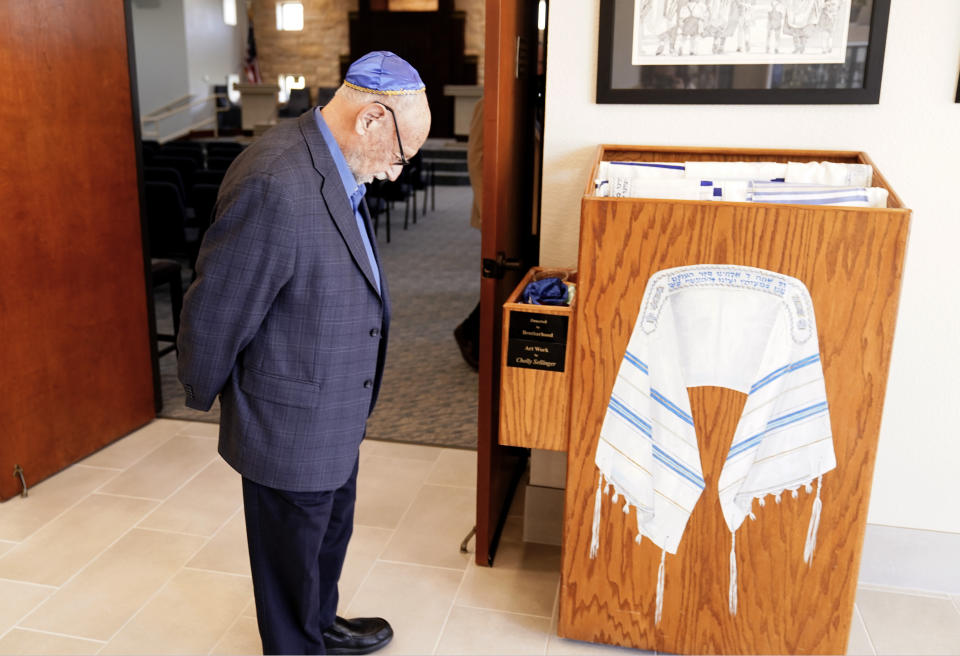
column 354, row 190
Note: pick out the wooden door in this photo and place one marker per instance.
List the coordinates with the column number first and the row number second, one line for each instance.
column 75, row 367
column 508, row 157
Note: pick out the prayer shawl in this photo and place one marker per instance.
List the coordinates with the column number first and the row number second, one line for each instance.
column 814, row 194
column 747, row 329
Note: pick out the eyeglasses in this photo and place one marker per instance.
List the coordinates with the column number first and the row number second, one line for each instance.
column 403, row 160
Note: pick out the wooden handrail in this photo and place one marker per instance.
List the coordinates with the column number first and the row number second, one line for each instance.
column 170, row 105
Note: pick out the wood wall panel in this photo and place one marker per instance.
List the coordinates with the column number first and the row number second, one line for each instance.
column 75, row 369
column 851, row 261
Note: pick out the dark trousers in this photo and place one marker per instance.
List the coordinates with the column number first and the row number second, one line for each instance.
column 297, row 543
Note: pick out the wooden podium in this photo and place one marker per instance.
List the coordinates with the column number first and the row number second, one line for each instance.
column 258, row 104
column 851, row 260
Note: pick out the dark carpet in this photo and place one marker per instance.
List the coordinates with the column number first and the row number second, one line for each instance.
column 429, row 394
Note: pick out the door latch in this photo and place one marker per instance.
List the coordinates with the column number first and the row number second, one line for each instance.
column 497, row 268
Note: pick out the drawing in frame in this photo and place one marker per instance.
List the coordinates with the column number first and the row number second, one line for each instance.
column 741, row 51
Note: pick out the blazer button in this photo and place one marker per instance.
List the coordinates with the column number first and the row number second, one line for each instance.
column 367, row 384
column 374, row 332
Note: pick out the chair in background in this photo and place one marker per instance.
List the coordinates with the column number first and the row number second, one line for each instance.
column 219, row 163
column 377, row 206
column 224, row 148
column 298, row 103
column 189, row 149
column 208, row 177
column 167, row 272
column 421, row 179
column 165, row 174
column 185, row 166
column 167, row 224
column 230, row 118
column 149, row 148
column 203, row 198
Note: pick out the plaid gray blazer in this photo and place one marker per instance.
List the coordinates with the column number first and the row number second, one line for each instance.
column 283, row 319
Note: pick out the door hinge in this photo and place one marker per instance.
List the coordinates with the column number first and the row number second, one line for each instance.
column 498, row 267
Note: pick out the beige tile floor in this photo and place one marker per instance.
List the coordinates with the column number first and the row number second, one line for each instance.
column 140, row 549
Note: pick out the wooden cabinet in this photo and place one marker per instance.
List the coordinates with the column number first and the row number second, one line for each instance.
column 851, row 260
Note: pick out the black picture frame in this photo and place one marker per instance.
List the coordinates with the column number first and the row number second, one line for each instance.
column 863, row 85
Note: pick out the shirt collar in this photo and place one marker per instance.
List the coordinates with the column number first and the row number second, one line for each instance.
column 355, row 191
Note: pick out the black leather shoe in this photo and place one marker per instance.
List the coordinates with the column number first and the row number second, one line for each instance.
column 468, row 348
column 360, row 635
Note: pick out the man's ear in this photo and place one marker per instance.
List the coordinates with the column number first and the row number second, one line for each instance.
column 368, row 116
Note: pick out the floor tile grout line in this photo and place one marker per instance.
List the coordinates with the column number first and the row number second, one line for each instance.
column 99, row 467
column 509, row 612
column 863, row 623
column 390, row 561
column 456, row 487
column 554, row 618
column 453, row 602
column 39, row 585
column 160, row 589
column 404, row 514
column 128, row 496
column 366, row 576
column 26, row 614
column 142, row 456
column 171, row 532
column 178, row 488
column 207, row 570
column 227, row 631
column 182, row 485
column 913, row 592
column 54, row 633
column 93, row 560
column 69, row 507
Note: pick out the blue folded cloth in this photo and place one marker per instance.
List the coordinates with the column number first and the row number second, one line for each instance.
column 549, row 291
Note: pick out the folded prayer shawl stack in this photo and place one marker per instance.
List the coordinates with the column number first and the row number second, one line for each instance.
column 803, row 183
column 738, row 327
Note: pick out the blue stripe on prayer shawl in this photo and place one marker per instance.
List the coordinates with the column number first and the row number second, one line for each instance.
column 675, row 167
column 706, row 183
column 779, row 422
column 677, row 467
column 669, row 405
column 767, row 191
column 662, row 456
column 624, row 411
column 759, row 198
column 636, row 362
column 830, row 201
column 786, row 369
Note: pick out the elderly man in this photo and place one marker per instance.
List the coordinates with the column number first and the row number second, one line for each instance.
column 287, row 321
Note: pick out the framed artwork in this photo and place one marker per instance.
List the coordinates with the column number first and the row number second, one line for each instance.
column 741, row 51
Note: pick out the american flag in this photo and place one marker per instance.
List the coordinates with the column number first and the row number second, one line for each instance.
column 250, row 65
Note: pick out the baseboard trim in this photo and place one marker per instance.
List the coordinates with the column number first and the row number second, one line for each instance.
column 910, row 559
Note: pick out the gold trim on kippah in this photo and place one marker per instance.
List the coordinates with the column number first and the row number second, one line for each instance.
column 398, row 92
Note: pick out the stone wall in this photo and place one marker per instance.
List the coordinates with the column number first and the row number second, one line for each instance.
column 315, row 52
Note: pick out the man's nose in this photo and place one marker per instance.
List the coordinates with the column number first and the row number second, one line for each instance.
column 394, row 172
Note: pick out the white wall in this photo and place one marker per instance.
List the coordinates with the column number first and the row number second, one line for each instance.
column 913, row 136
column 214, row 49
column 160, row 48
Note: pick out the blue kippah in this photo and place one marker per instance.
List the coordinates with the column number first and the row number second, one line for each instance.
column 384, row 73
